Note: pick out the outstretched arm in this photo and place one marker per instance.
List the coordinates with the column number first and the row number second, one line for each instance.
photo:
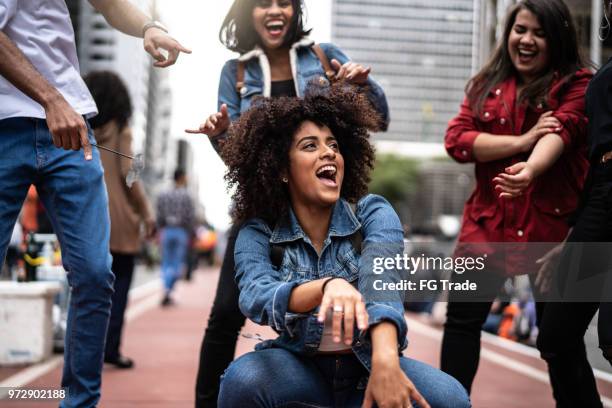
column 127, row 18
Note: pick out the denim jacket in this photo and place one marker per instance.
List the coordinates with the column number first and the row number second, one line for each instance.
column 265, row 289
column 305, row 67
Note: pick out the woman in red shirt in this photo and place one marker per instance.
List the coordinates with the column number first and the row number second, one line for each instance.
column 527, row 102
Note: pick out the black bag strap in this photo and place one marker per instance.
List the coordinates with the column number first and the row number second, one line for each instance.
column 277, row 251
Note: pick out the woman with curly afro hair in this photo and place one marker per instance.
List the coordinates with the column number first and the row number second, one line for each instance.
column 299, row 167
column 276, row 59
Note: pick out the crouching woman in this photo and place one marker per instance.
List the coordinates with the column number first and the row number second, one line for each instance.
column 300, row 168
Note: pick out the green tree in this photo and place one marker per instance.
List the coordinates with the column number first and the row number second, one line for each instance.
column 395, row 178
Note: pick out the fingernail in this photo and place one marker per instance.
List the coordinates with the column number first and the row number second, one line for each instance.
column 88, row 157
column 337, row 339
column 348, row 342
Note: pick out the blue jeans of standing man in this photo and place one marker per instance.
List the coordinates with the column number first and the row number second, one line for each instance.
column 74, row 195
column 174, row 241
column 276, row 377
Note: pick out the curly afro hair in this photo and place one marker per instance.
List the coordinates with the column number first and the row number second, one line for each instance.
column 257, row 149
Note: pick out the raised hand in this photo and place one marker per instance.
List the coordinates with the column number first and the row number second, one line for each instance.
column 154, row 39
column 216, row 124
column 351, row 72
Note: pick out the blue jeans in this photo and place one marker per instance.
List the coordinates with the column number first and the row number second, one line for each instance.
column 74, row 195
column 174, row 241
column 278, row 378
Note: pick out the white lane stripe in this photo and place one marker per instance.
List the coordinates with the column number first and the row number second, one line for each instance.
column 29, row 374
column 496, row 358
column 143, row 306
column 510, row 345
column 533, row 352
column 147, row 291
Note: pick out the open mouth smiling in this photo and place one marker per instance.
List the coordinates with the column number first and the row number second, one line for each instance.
column 327, row 174
column 275, row 27
column 525, row 54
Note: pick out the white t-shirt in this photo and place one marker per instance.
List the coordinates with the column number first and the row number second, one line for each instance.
column 43, row 32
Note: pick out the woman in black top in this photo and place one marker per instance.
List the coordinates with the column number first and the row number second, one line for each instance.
column 584, row 258
column 582, row 282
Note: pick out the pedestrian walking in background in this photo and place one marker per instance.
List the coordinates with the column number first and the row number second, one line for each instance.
column 276, row 59
column 44, row 104
column 129, row 207
column 526, row 102
column 175, row 219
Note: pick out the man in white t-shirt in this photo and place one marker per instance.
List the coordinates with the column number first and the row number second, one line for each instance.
column 43, row 106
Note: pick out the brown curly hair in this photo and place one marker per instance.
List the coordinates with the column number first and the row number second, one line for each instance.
column 257, row 149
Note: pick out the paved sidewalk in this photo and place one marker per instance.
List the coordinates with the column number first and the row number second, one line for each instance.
column 165, row 342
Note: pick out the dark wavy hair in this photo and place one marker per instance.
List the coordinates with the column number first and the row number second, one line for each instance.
column 238, row 34
column 112, row 97
column 257, row 149
column 563, row 52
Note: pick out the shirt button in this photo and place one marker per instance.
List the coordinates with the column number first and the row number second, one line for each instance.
column 520, row 233
column 502, row 121
column 487, row 114
column 464, row 152
column 243, row 90
column 322, row 80
column 540, row 106
column 557, row 211
column 498, row 92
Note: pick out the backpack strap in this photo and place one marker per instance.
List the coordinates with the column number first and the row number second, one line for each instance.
column 277, row 252
column 239, row 76
column 329, row 71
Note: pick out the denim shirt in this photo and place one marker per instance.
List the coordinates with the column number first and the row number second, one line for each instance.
column 305, row 67
column 265, row 290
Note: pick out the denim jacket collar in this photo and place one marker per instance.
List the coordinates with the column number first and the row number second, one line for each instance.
column 343, row 223
column 259, row 53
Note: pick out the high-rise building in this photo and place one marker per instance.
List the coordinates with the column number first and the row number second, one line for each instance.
column 101, row 47
column 424, row 52
column 420, row 51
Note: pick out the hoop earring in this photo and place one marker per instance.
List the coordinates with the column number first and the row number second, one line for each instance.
column 285, row 180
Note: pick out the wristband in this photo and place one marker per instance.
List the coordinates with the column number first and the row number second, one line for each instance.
column 327, row 281
column 152, row 24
